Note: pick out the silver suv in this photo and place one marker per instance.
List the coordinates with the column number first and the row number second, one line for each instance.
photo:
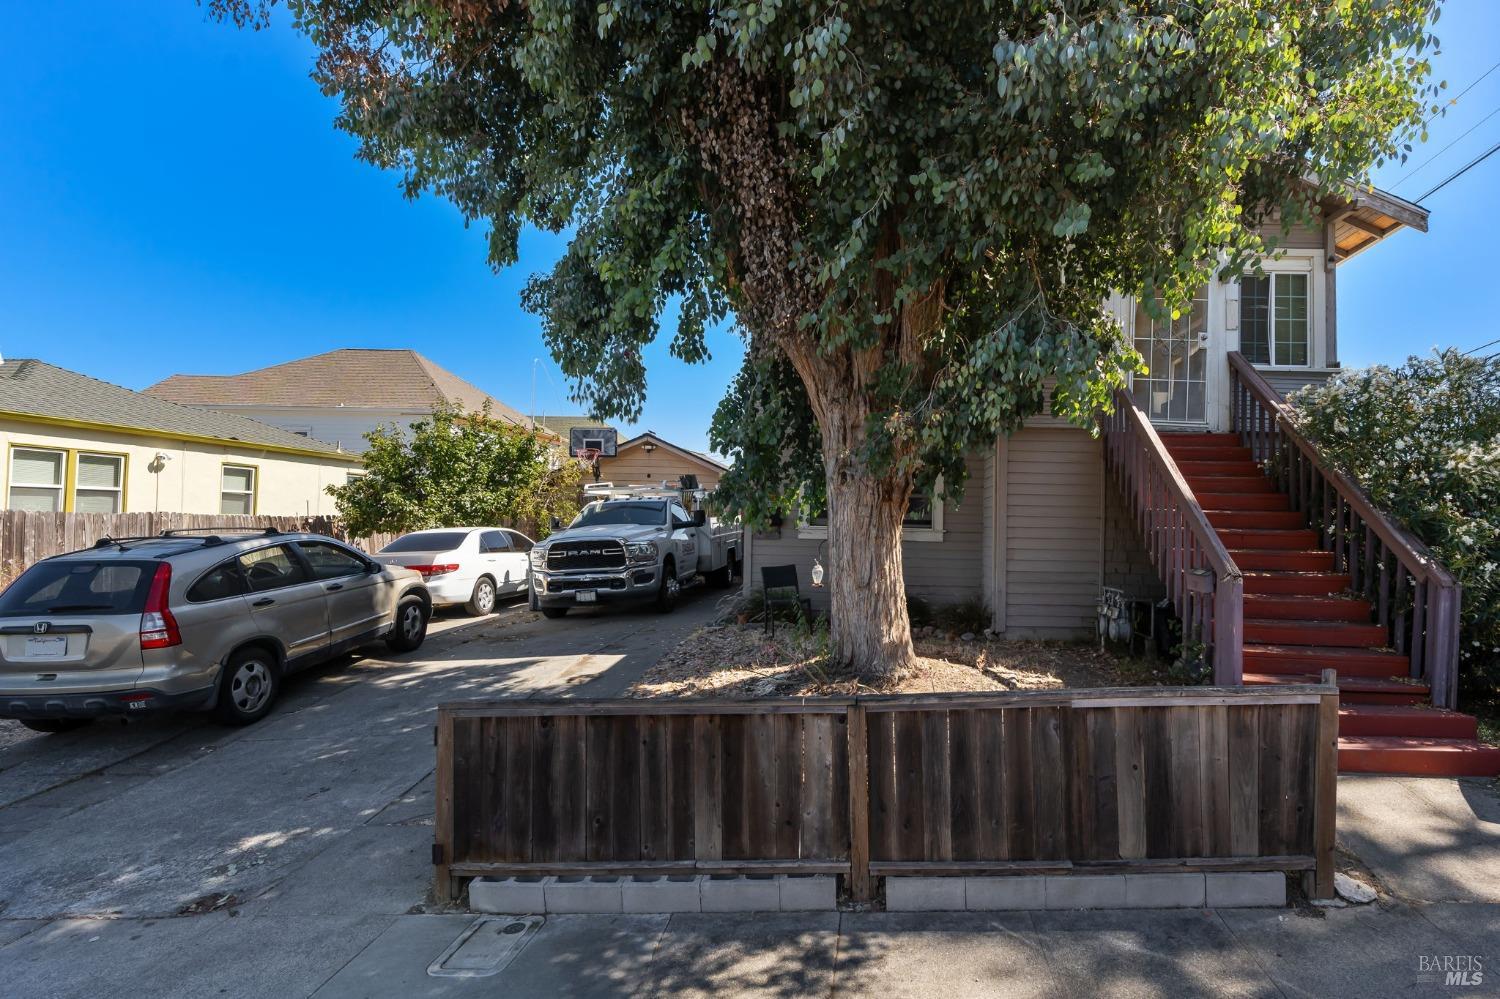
column 194, row 621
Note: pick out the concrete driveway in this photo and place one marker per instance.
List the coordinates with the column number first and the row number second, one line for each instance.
column 303, row 836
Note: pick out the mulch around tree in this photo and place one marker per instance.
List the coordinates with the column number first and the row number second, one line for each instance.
column 742, row 661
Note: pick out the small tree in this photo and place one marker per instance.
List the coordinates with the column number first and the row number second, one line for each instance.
column 913, row 210
column 458, row 469
column 1423, row 439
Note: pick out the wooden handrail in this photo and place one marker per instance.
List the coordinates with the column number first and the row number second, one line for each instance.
column 1203, row 582
column 1363, row 539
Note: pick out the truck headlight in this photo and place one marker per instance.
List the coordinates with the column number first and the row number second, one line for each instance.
column 539, row 558
column 641, row 552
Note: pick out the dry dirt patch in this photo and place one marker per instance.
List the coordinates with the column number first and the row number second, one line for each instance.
column 740, row 661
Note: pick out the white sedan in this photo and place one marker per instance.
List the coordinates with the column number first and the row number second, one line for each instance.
column 473, row 566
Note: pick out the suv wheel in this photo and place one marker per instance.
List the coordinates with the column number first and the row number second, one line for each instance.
column 411, row 626
column 52, row 725
column 671, row 588
column 483, row 600
column 554, row 612
column 248, row 687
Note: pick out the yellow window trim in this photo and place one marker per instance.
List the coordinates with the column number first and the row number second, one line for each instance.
column 70, row 471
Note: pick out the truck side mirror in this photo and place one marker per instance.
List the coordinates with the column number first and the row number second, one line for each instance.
column 699, row 518
column 556, row 524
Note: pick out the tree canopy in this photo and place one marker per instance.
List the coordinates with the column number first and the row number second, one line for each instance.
column 913, row 212
column 457, row 469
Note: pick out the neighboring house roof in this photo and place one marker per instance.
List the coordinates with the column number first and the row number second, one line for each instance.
column 44, row 393
column 354, row 378
column 698, row 456
column 560, row 425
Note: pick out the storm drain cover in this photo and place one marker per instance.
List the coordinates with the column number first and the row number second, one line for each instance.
column 485, row 947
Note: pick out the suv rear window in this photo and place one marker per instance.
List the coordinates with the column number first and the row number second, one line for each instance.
column 78, row 587
column 435, row 541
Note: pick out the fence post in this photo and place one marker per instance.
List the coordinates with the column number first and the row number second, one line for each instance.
column 859, row 804
column 1318, row 883
column 442, row 824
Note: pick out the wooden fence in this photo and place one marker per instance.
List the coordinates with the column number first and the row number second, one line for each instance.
column 1117, row 780
column 27, row 536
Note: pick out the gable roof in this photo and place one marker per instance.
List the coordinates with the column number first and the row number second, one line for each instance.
column 660, row 441
column 45, row 393
column 349, row 377
column 560, row 425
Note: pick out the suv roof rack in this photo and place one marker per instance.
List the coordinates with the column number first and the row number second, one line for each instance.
column 184, row 532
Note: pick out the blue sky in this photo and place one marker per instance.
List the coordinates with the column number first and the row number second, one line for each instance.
column 176, row 199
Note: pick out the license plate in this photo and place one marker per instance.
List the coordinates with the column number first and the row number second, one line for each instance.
column 585, row 596
column 46, row 646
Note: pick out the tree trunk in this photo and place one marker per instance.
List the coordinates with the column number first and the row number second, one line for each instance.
column 869, row 631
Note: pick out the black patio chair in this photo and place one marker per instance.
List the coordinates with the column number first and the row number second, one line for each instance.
column 775, row 581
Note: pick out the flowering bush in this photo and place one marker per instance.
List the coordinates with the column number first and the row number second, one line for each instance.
column 1423, row 439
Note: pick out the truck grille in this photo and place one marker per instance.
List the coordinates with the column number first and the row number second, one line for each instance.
column 565, row 555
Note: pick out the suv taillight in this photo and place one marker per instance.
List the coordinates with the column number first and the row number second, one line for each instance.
column 158, row 626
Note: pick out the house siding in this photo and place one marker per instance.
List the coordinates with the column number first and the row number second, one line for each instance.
column 941, row 572
column 634, row 466
column 1052, row 479
column 343, row 427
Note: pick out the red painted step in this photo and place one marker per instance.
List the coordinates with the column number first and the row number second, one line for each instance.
column 1353, row 689
column 1308, row 561
column 1307, row 608
column 1300, row 540
column 1258, row 520
column 1420, row 720
column 1311, row 660
column 1216, row 466
column 1242, row 501
column 1229, row 484
column 1313, row 583
column 1305, row 632
column 1395, row 754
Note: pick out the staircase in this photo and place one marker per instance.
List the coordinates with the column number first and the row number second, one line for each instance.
column 1300, row 617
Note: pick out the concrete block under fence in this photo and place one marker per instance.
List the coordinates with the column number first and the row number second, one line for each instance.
column 662, row 893
column 508, row 895
column 1086, row 891
column 808, row 892
column 924, row 894
column 1164, row 891
column 740, row 893
column 580, row 894
column 1246, row 889
column 991, row 894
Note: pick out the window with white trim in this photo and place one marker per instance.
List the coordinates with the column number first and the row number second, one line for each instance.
column 237, row 489
column 99, row 485
column 1276, row 318
column 923, row 520
column 37, row 479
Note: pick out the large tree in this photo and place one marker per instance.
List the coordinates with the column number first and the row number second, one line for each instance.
column 912, row 211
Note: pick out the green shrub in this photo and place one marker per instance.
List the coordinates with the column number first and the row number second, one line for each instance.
column 918, row 611
column 1423, row 439
column 971, row 614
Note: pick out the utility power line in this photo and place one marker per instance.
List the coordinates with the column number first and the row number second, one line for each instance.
column 1470, row 87
column 1428, row 162
column 1460, row 172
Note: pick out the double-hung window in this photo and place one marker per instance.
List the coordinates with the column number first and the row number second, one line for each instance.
column 237, row 489
column 37, row 479
column 923, row 520
column 1276, row 318
column 100, row 483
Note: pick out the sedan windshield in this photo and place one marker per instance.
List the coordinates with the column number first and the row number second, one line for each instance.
column 641, row 514
column 426, row 541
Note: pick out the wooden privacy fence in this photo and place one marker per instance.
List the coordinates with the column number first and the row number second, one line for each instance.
column 26, row 536
column 1071, row 781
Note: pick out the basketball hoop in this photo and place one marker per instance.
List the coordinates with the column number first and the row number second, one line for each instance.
column 589, row 455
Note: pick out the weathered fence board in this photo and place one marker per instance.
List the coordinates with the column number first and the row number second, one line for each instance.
column 1193, row 779
column 27, row 536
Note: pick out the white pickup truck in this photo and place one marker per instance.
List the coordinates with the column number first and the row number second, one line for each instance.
column 633, row 543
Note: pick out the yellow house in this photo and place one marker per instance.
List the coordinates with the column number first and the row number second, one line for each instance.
column 74, row 443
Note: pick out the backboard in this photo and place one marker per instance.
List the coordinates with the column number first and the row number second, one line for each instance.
column 601, row 439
